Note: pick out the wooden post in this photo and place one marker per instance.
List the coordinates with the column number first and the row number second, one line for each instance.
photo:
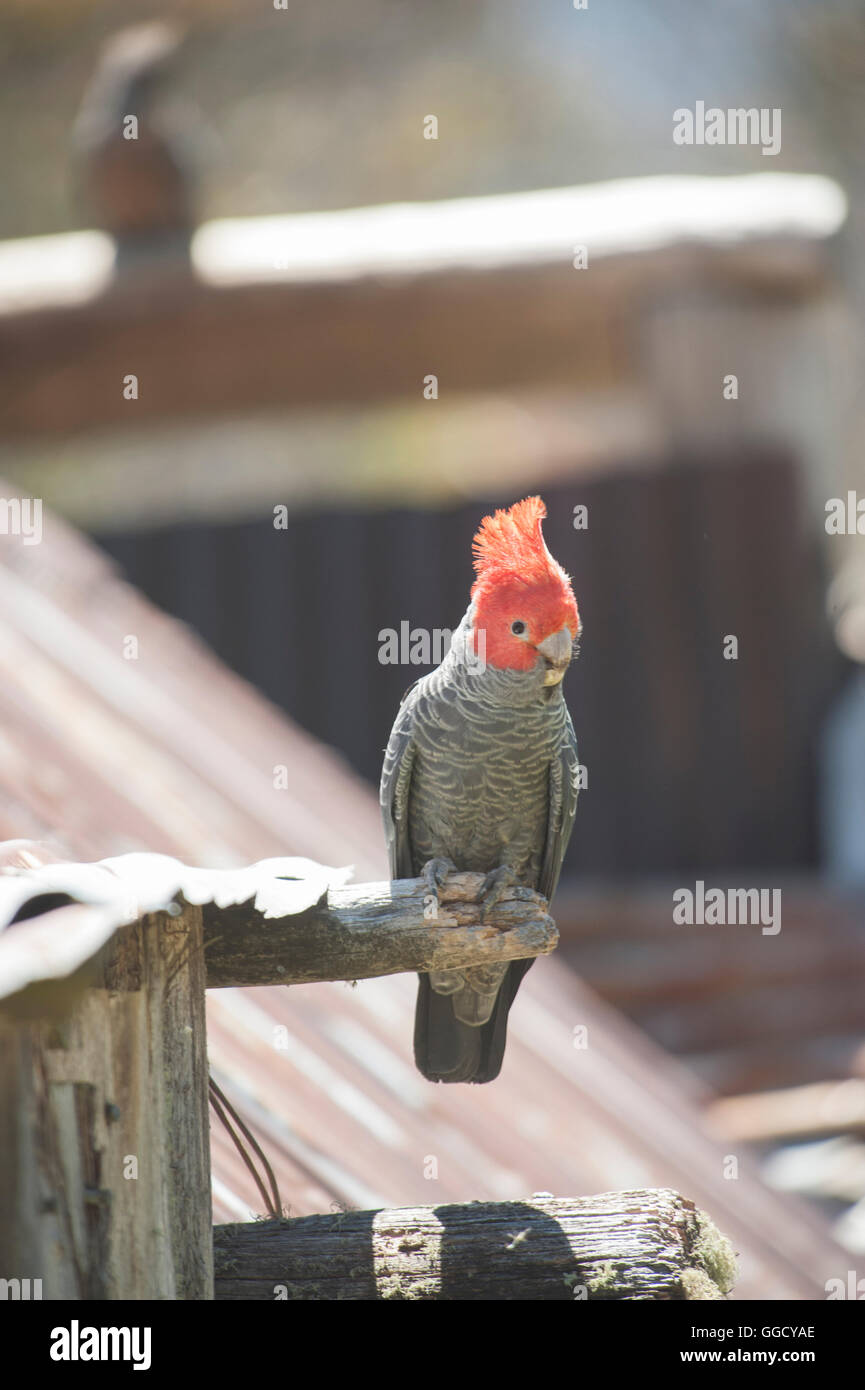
column 104, row 1140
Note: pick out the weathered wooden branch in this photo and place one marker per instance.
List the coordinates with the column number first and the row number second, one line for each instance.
column 374, row 929
column 649, row 1244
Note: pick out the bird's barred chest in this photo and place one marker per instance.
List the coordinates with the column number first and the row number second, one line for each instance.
column 480, row 786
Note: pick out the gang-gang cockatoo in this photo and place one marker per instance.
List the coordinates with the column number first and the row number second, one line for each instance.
column 481, row 774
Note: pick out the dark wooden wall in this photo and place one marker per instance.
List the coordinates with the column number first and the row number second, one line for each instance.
column 694, row 762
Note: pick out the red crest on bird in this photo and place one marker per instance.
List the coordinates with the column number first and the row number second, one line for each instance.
column 519, row 584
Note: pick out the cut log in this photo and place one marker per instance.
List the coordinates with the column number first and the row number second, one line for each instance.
column 644, row 1244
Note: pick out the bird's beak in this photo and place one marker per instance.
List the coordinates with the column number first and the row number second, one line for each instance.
column 556, row 651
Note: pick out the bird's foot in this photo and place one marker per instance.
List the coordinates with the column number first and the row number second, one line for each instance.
column 434, row 873
column 494, row 888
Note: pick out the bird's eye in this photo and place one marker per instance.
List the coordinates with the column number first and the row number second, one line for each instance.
column 518, row 628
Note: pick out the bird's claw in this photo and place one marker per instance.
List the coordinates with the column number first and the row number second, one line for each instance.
column 494, row 887
column 434, row 873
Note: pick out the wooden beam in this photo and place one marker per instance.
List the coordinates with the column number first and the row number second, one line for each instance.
column 372, row 929
column 649, row 1244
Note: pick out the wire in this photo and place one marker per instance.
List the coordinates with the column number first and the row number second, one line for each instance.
column 221, row 1103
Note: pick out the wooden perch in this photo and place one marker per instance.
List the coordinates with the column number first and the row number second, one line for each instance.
column 374, row 929
column 649, row 1244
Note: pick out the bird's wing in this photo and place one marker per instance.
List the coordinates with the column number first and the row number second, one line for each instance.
column 564, row 786
column 395, row 784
